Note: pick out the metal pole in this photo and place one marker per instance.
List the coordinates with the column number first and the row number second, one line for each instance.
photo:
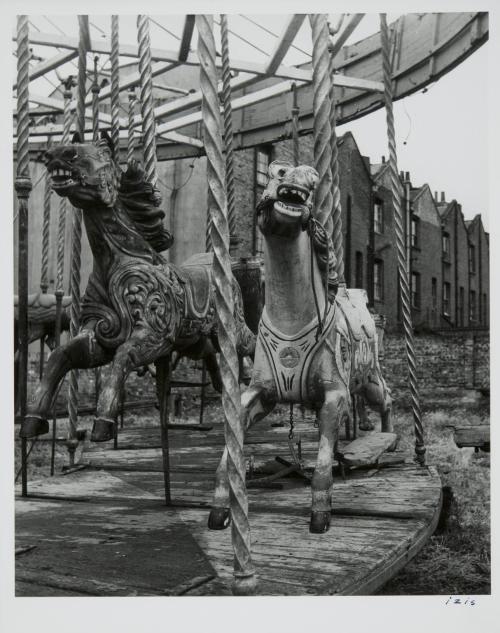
column 295, row 126
column 244, row 574
column 76, row 241
column 44, row 268
column 23, row 188
column 228, row 133
column 115, row 84
column 322, row 128
column 400, row 243
column 337, row 234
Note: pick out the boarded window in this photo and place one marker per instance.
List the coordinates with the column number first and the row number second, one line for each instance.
column 378, row 217
column 446, row 298
column 415, row 290
column 378, row 280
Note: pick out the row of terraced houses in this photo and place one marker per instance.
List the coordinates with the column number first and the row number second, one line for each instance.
column 448, row 255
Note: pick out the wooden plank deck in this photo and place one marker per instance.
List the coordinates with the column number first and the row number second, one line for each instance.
column 105, row 530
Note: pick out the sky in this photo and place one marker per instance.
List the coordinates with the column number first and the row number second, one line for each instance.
column 441, row 134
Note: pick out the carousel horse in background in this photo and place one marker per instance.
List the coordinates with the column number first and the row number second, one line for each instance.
column 312, row 348
column 137, row 308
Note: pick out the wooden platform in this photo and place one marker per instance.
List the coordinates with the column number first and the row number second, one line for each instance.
column 105, row 530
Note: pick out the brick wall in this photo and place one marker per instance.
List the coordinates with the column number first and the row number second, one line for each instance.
column 458, row 360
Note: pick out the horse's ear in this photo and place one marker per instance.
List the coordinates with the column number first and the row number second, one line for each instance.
column 106, row 138
column 76, row 138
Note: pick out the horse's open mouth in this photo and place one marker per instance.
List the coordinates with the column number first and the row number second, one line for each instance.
column 61, row 178
column 291, row 200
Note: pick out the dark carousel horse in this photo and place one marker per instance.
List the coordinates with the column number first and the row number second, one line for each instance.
column 137, row 308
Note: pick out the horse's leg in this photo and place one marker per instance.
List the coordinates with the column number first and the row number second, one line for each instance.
column 378, row 396
column 81, row 352
column 333, row 411
column 365, row 423
column 253, row 409
column 142, row 348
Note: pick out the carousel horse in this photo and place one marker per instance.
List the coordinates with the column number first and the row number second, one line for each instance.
column 313, row 347
column 137, row 308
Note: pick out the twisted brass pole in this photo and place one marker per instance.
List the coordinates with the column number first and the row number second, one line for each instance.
column 23, row 188
column 131, row 137
column 95, row 103
column 228, row 133
column 295, row 126
column 404, row 288
column 76, row 242
column 321, row 112
column 44, row 267
column 337, row 235
column 244, row 578
column 146, row 98
column 115, row 84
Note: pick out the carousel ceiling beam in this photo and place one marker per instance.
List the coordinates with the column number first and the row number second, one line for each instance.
column 133, row 80
column 292, row 26
column 131, row 50
column 340, row 38
column 158, row 54
column 50, row 64
column 237, row 104
column 187, row 34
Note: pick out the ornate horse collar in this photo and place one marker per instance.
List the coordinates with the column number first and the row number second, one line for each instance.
column 290, row 356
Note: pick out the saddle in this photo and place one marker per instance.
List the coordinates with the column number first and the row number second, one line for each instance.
column 196, row 279
column 352, row 303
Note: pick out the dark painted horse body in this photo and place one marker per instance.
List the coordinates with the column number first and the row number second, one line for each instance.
column 137, row 308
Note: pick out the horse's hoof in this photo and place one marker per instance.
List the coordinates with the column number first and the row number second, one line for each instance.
column 219, row 519
column 32, row 426
column 102, row 430
column 320, row 522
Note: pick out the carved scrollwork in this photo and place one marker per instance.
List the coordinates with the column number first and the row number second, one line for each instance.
column 141, row 296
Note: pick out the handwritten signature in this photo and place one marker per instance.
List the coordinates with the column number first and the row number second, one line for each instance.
column 461, row 600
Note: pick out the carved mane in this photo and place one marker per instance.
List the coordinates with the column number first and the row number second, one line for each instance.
column 141, row 200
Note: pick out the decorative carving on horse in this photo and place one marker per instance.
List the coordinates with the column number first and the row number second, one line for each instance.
column 314, row 347
column 137, row 308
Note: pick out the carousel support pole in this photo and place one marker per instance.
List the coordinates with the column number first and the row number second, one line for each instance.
column 337, row 236
column 44, row 273
column 244, row 574
column 131, row 113
column 295, row 126
column 163, row 377
column 404, row 288
column 61, row 240
column 228, row 133
column 23, row 189
column 321, row 112
column 115, row 84
column 149, row 136
column 76, row 242
column 202, row 392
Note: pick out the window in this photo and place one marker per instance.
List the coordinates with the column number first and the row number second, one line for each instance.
column 472, row 258
column 415, row 290
column 414, row 232
column 472, row 306
column 446, row 244
column 261, row 176
column 358, row 270
column 461, row 302
column 378, row 280
column 378, row 217
column 446, row 298
column 434, row 291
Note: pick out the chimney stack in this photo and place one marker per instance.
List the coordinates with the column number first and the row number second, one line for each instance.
column 402, row 175
column 436, row 197
column 442, row 197
column 383, row 160
column 407, row 175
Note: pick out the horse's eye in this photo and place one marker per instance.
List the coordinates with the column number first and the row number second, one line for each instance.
column 69, row 154
column 48, row 156
column 281, row 173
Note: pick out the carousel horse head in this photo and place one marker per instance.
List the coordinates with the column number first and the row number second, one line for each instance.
column 287, row 201
column 86, row 173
